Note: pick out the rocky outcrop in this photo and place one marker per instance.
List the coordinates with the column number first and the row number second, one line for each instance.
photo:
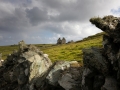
column 102, row 65
column 30, row 69
column 24, row 69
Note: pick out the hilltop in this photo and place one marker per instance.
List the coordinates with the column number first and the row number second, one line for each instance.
column 71, row 51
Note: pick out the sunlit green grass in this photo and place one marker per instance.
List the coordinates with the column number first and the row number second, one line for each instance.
column 71, row 51
column 6, row 50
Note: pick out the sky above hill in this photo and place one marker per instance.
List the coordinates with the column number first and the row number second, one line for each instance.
column 44, row 21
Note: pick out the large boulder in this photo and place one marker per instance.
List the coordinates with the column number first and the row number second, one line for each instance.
column 26, row 67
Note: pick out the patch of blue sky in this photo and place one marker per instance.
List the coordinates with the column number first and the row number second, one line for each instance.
column 116, row 11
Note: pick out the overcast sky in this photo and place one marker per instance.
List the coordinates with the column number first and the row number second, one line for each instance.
column 44, row 21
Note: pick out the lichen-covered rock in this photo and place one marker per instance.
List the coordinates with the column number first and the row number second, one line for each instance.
column 71, row 78
column 65, row 74
column 106, row 63
column 24, row 66
column 109, row 24
column 56, row 72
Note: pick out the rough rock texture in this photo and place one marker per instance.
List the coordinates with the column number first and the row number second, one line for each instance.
column 94, row 60
column 30, row 69
column 102, row 66
column 21, row 68
column 66, row 74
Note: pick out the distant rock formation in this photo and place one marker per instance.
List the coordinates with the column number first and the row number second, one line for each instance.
column 61, row 41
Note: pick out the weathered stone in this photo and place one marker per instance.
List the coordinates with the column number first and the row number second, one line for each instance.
column 71, row 79
column 65, row 74
column 56, row 72
column 94, row 60
column 106, row 63
column 110, row 25
column 25, row 67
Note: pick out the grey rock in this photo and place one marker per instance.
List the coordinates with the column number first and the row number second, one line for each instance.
column 65, row 74
column 25, row 67
column 93, row 59
column 71, row 79
column 56, row 72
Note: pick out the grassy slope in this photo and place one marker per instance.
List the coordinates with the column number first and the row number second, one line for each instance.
column 72, row 51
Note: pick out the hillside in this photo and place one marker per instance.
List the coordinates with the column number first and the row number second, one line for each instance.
column 71, row 51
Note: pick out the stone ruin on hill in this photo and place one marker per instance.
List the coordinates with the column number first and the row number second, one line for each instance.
column 61, row 41
column 30, row 69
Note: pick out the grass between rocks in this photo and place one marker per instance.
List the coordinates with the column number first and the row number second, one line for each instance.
column 71, row 51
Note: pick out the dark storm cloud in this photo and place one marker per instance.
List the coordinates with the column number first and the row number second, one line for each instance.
column 74, row 10
column 16, row 1
column 14, row 21
column 21, row 19
column 36, row 15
